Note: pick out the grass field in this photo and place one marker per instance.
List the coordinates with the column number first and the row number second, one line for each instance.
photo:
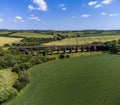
column 84, row 40
column 5, row 40
column 3, row 33
column 28, row 34
column 87, row 80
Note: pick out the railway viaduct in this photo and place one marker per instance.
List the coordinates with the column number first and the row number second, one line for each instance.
column 58, row 49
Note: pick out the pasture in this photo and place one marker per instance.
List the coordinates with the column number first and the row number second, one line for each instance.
column 4, row 32
column 84, row 40
column 7, row 40
column 30, row 34
column 86, row 80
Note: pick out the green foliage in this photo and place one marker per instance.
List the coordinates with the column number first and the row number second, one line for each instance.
column 67, row 56
column 61, row 56
column 21, row 67
column 19, row 63
column 7, row 45
column 7, row 95
column 109, row 46
column 23, row 79
column 7, row 79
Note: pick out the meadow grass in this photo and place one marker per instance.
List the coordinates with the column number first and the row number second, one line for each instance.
column 7, row 79
column 84, row 40
column 86, row 80
column 5, row 40
column 28, row 35
column 4, row 33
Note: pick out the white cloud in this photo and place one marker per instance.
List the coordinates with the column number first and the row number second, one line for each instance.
column 42, row 5
column 18, row 19
column 91, row 3
column 103, row 13
column 106, row 1
column 98, row 5
column 30, row 7
column 85, row 15
column 1, row 20
column 114, row 14
column 62, row 6
column 32, row 17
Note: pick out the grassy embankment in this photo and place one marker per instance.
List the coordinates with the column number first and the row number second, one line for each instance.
column 87, row 80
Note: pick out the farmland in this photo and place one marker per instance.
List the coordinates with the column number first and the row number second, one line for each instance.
column 69, row 38
column 24, row 34
column 31, row 34
column 8, row 37
column 93, row 80
column 8, row 40
column 84, row 40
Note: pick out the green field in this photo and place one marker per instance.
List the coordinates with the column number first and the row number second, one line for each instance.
column 87, row 80
column 28, row 35
column 84, row 40
column 7, row 40
column 4, row 32
column 25, row 34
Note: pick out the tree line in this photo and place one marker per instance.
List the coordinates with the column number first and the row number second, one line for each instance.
column 37, row 41
column 109, row 46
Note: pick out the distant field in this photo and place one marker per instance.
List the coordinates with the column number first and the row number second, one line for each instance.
column 87, row 80
column 84, row 40
column 28, row 34
column 5, row 40
column 6, row 32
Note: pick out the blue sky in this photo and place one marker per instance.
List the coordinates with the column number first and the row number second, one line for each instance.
column 60, row 14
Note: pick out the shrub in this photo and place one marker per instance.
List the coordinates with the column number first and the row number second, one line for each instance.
column 67, row 56
column 23, row 79
column 62, row 56
column 6, row 45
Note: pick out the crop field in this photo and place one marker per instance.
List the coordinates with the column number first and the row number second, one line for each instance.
column 88, row 80
column 5, row 40
column 28, row 34
column 88, row 33
column 84, row 40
